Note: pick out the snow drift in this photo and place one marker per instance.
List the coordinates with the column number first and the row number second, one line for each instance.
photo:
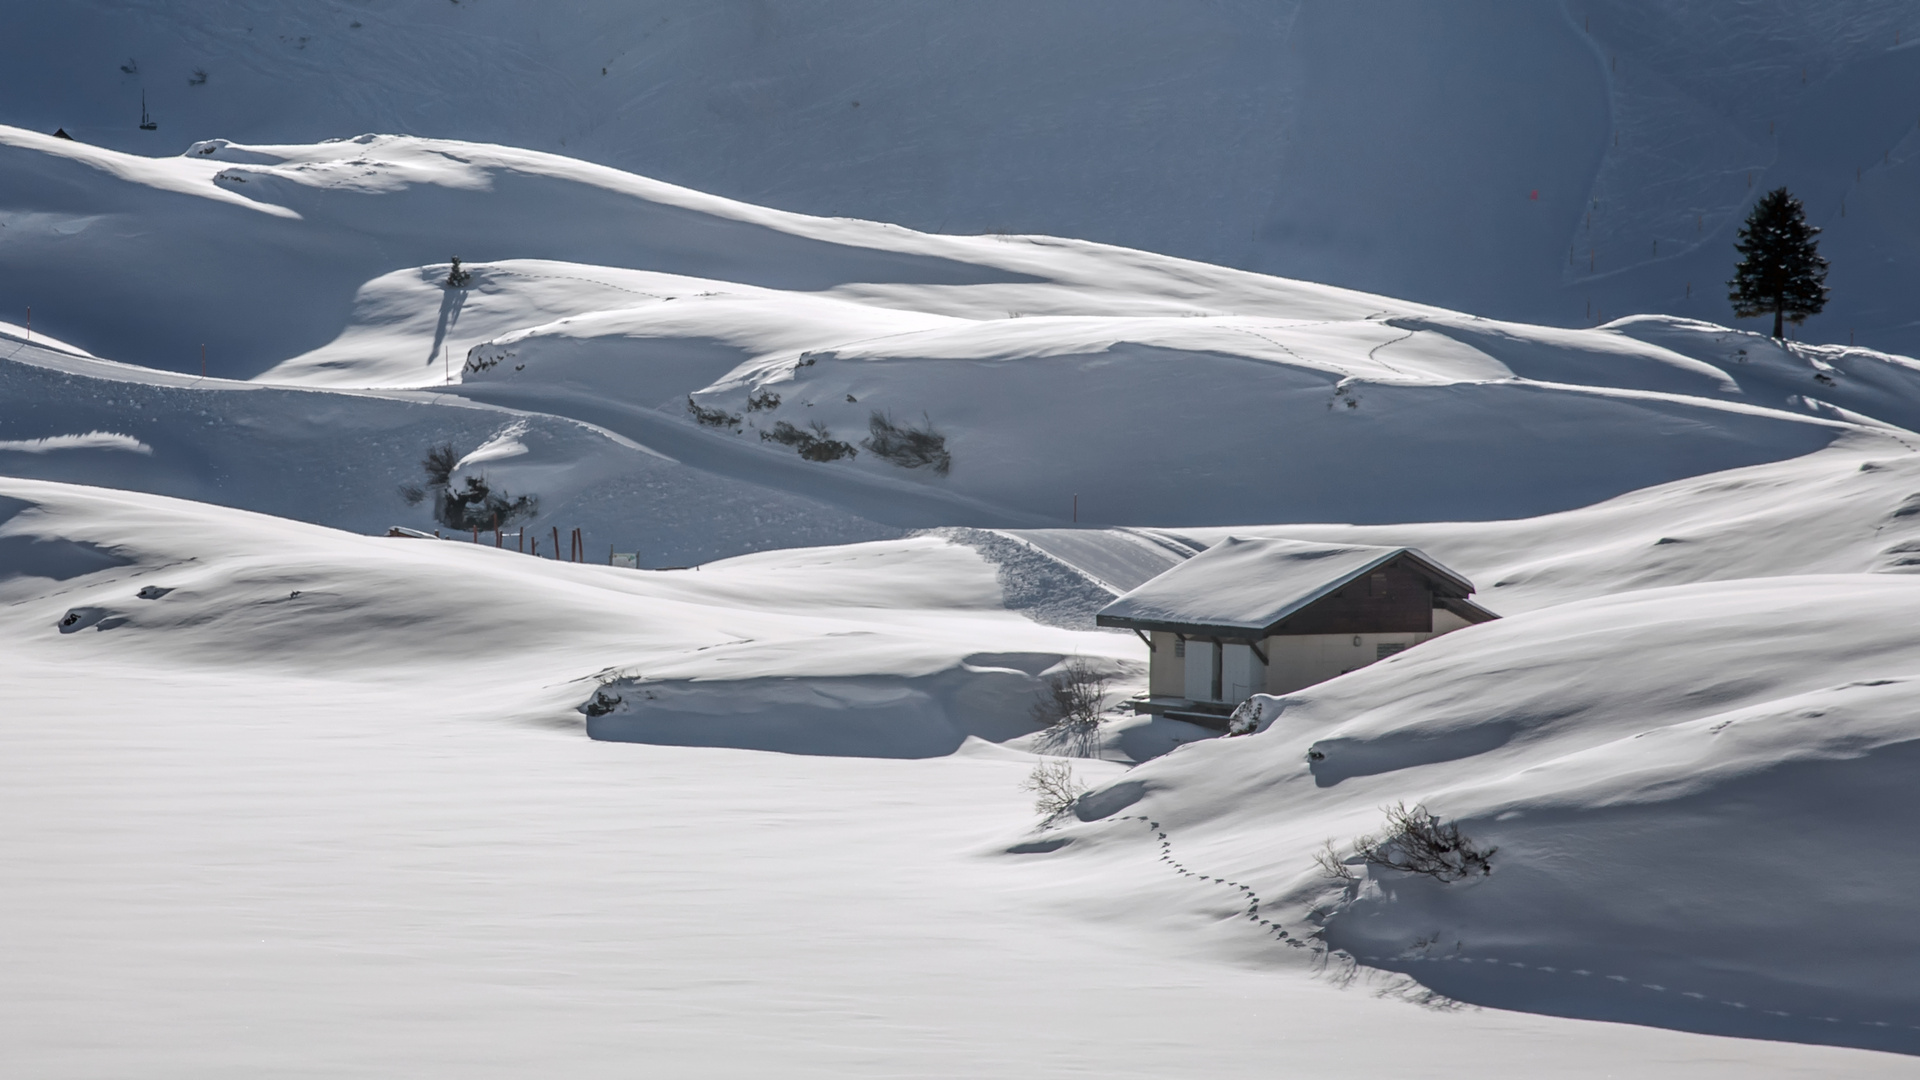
column 1547, row 164
column 1692, row 794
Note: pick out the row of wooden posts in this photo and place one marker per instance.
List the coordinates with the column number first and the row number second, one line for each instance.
column 576, row 543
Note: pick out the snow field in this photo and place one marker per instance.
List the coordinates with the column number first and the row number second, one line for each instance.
column 250, row 856
column 1557, row 164
column 1669, row 742
column 620, row 301
column 1687, row 787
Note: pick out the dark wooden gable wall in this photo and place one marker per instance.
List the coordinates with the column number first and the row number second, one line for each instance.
column 1391, row 599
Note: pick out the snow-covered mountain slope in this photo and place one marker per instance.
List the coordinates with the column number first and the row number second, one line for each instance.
column 907, row 646
column 1155, row 391
column 1549, row 164
column 1693, row 792
column 1852, row 508
column 341, row 459
column 320, row 803
column 280, row 239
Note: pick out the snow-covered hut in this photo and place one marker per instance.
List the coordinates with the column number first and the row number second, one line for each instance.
column 1264, row 616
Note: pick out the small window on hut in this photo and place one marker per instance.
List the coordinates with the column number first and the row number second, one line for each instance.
column 1384, row 650
column 1180, row 646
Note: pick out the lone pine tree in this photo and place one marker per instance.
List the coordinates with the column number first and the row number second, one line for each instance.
column 1780, row 265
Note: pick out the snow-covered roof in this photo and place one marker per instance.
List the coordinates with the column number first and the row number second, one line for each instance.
column 1250, row 584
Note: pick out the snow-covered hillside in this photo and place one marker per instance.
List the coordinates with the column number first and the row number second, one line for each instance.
column 731, row 338
column 296, row 800
column 1692, row 796
column 1549, row 163
column 485, row 812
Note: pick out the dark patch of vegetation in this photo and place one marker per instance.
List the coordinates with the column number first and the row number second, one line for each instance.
column 718, row 418
column 762, row 400
column 601, row 703
column 473, row 504
column 906, row 446
column 456, row 277
column 817, row 444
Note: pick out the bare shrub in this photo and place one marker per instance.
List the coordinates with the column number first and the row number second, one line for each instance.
column 907, row 446
column 762, row 399
column 817, row 444
column 1333, row 866
column 1070, row 706
column 1055, row 789
column 717, row 418
column 1417, row 842
column 601, row 703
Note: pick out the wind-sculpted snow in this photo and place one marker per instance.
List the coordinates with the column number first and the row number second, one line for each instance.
column 733, row 338
column 1549, row 163
column 1692, row 796
column 342, row 458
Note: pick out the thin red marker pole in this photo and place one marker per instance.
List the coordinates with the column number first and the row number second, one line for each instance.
column 556, row 543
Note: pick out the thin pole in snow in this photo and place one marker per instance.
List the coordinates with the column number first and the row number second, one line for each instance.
column 556, row 543
column 609, row 554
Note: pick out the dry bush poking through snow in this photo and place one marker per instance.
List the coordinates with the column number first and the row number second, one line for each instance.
column 1055, row 789
column 719, row 418
column 816, row 445
column 1416, row 842
column 1070, row 707
column 907, row 446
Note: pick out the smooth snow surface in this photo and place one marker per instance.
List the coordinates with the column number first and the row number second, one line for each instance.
column 321, row 806
column 724, row 339
column 1559, row 163
column 295, row 796
column 1689, row 792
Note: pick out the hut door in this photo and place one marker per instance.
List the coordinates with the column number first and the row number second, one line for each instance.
column 1242, row 673
column 1202, row 663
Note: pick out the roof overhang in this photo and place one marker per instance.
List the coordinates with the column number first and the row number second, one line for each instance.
column 1450, row 591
